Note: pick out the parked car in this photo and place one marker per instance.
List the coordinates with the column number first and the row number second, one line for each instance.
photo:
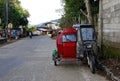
column 36, row 33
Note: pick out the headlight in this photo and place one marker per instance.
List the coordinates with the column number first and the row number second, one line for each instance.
column 89, row 46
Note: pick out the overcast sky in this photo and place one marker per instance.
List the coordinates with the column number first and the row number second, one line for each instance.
column 41, row 10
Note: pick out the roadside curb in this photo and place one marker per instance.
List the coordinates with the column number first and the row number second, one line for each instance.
column 109, row 73
column 8, row 42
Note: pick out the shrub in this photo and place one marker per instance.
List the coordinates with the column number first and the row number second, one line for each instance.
column 111, row 52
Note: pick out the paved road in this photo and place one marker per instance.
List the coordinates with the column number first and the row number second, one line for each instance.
column 30, row 60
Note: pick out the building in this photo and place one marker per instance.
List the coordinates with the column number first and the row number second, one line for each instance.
column 49, row 27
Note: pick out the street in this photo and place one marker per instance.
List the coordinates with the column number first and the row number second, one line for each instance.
column 31, row 60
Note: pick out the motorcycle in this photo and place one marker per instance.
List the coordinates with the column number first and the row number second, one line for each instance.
column 76, row 43
column 87, row 44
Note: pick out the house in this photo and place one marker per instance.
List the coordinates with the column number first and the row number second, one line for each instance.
column 49, row 27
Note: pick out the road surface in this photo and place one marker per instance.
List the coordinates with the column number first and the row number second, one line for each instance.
column 31, row 60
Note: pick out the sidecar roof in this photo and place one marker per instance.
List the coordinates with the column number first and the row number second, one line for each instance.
column 68, row 31
column 82, row 25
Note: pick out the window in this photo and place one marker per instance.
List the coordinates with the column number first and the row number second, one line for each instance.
column 87, row 33
column 69, row 38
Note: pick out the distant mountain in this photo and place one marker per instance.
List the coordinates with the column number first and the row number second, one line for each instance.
column 41, row 25
column 52, row 21
column 56, row 20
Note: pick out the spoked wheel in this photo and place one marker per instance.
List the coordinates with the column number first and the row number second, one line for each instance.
column 91, row 63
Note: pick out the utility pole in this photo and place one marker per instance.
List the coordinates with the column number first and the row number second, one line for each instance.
column 6, row 19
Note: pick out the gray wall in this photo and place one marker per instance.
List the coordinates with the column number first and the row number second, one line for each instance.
column 111, row 22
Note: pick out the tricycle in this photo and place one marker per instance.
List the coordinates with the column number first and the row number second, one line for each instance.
column 77, row 43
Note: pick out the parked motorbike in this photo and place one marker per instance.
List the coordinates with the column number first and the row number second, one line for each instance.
column 77, row 43
column 87, row 44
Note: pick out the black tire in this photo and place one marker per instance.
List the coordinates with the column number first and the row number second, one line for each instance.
column 55, row 62
column 92, row 63
column 54, row 59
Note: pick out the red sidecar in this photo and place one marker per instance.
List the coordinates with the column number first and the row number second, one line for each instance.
column 66, row 45
column 77, row 44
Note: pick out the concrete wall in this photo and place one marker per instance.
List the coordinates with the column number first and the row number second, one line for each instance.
column 111, row 22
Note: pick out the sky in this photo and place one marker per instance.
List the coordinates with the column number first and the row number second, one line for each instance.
column 41, row 10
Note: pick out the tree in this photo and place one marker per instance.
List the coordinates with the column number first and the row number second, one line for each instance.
column 72, row 11
column 32, row 28
column 77, row 10
column 92, row 7
column 2, row 12
column 89, row 12
column 17, row 15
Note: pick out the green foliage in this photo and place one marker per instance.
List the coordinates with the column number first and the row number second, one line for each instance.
column 26, row 28
column 2, row 12
column 72, row 11
column 111, row 52
column 16, row 14
column 32, row 28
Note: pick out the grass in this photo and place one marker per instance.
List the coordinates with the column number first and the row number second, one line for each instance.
column 111, row 52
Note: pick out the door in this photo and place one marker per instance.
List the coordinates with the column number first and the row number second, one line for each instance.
column 69, row 46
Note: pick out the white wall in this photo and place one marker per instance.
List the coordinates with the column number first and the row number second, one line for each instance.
column 111, row 21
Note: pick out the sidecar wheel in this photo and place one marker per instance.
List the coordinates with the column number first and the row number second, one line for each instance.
column 55, row 62
column 54, row 59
